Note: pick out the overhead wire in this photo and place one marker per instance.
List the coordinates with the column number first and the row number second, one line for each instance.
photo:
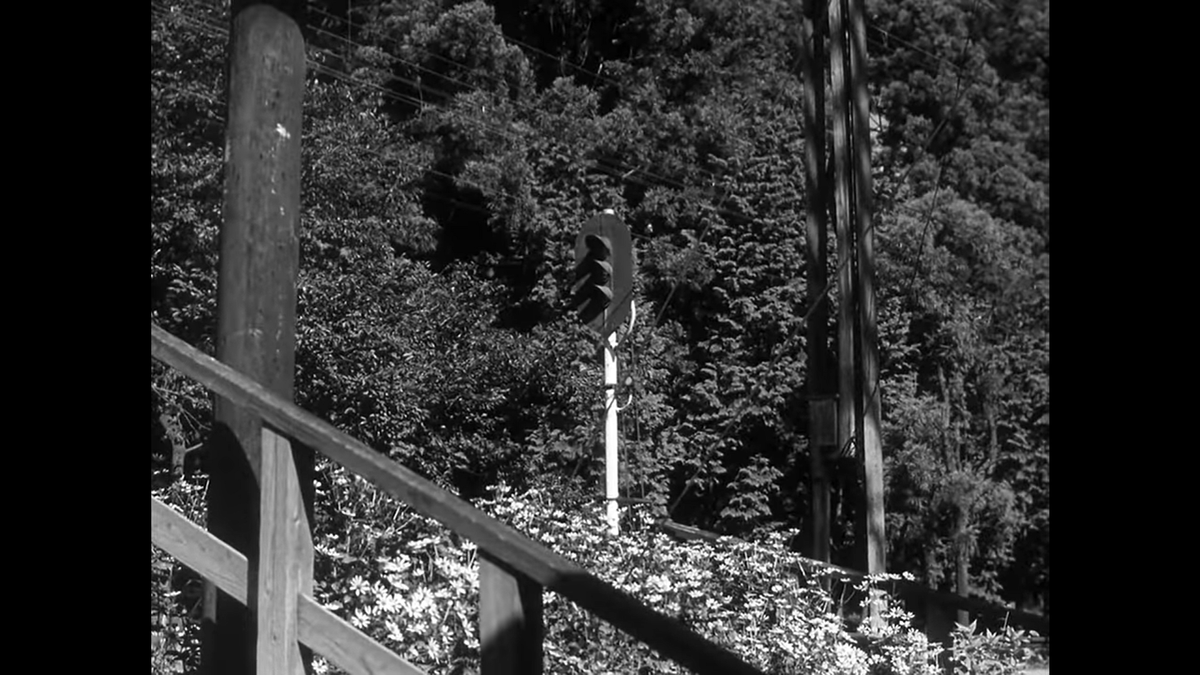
column 656, row 179
column 626, row 171
column 960, row 70
column 220, row 31
column 959, row 89
column 627, row 176
column 500, row 32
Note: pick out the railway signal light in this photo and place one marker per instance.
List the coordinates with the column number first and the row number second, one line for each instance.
column 603, row 273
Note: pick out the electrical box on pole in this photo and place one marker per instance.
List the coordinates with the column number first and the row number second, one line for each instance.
column 603, row 288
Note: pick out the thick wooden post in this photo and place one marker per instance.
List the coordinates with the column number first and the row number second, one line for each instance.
column 510, row 621
column 256, row 297
column 816, row 237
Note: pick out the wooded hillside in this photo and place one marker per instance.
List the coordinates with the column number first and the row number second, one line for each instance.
column 453, row 149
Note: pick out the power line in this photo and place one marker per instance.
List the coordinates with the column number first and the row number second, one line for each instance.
column 508, row 38
column 959, row 89
column 439, row 57
column 958, row 92
column 598, row 166
column 215, row 30
column 626, row 170
column 220, row 118
column 960, row 70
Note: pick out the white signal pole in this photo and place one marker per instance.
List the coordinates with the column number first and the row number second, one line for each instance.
column 605, row 231
column 611, row 461
column 611, row 467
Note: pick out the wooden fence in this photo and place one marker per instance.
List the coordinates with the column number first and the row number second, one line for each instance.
column 514, row 570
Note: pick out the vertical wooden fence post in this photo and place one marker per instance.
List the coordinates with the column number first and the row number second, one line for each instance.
column 256, row 294
column 510, row 621
column 285, row 561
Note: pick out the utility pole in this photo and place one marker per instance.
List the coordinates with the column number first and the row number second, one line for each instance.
column 821, row 416
column 858, row 390
column 868, row 427
column 845, row 248
column 256, row 297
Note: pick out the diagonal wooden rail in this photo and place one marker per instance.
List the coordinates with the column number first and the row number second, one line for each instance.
column 514, row 568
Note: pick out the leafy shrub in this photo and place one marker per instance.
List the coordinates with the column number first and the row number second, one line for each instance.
column 989, row 653
column 413, row 585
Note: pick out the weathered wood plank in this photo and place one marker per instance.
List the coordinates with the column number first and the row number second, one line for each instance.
column 510, row 621
column 346, row 646
column 281, row 563
column 319, row 628
column 190, row 544
column 554, row 572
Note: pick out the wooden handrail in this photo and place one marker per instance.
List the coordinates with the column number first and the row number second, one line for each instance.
column 498, row 540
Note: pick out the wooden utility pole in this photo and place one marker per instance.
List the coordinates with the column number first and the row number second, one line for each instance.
column 843, row 190
column 869, row 442
column 858, row 388
column 816, row 238
column 256, row 297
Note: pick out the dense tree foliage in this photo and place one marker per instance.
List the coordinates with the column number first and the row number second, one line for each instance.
column 451, row 152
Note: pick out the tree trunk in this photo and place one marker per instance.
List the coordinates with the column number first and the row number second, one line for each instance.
column 963, row 562
column 949, row 447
